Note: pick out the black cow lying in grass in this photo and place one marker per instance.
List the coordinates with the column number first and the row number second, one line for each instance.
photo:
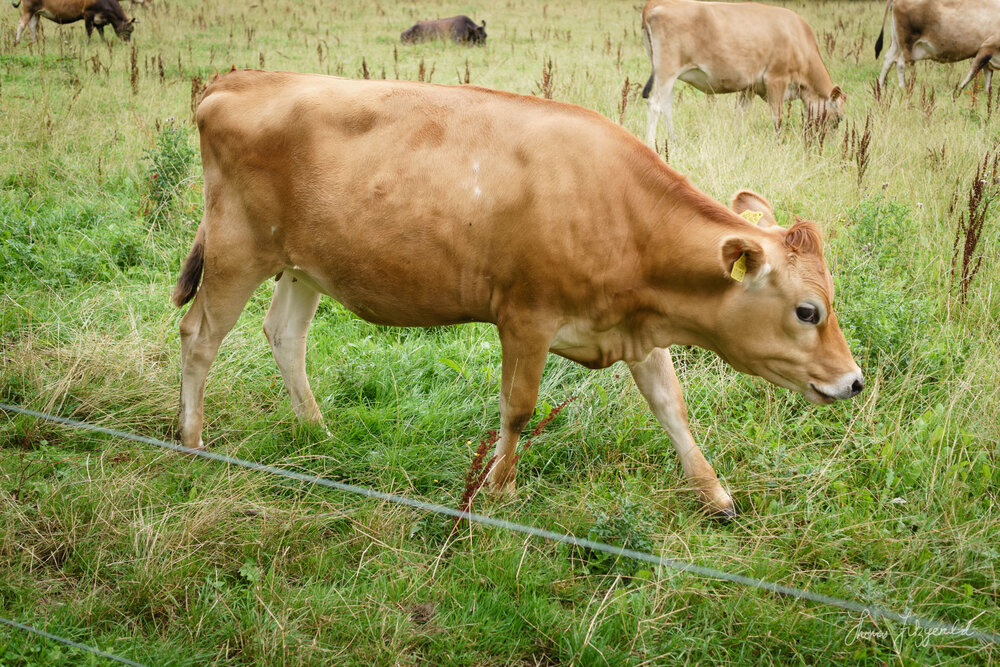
column 459, row 29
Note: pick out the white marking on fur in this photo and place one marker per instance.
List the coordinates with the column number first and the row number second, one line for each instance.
column 758, row 280
column 476, row 190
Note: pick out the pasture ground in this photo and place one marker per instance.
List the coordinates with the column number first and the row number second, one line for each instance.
column 889, row 499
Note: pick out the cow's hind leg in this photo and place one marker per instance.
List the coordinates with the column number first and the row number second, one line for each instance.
column 891, row 56
column 230, row 277
column 902, row 62
column 657, row 381
column 660, row 102
column 285, row 326
column 524, row 347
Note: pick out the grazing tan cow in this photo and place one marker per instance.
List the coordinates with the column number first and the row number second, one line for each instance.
column 422, row 205
column 93, row 13
column 945, row 31
column 742, row 48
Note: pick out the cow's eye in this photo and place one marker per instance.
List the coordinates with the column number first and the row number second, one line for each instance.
column 807, row 313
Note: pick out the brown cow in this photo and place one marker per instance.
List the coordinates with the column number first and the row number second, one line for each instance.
column 945, row 31
column 459, row 29
column 95, row 14
column 423, row 205
column 742, row 48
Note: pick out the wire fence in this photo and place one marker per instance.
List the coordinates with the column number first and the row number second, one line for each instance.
column 872, row 611
column 69, row 642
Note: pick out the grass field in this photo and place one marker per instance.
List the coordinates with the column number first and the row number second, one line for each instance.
column 888, row 499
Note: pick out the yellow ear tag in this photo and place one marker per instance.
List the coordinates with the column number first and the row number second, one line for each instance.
column 740, row 268
column 753, row 217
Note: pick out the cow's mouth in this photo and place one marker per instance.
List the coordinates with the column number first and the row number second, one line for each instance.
column 824, row 398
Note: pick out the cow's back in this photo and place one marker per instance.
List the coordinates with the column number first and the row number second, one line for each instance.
column 736, row 41
column 946, row 30
column 412, row 203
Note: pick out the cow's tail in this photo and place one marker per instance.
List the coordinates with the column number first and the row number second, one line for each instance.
column 881, row 33
column 647, row 40
column 187, row 283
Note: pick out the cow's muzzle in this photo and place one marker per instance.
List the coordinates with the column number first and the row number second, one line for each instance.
column 848, row 386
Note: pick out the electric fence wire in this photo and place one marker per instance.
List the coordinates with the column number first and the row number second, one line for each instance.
column 866, row 610
column 70, row 642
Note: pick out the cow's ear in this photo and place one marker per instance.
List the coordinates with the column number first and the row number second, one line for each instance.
column 838, row 94
column 745, row 200
column 484, row 23
column 743, row 260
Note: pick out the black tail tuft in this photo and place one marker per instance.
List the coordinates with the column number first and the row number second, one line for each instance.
column 187, row 283
column 647, row 88
column 878, row 42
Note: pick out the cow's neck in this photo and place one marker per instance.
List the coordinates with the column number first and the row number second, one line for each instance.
column 686, row 284
column 818, row 87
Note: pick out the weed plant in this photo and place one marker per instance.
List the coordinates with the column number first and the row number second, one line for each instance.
column 170, row 165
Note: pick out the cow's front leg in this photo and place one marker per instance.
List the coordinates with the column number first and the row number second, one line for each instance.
column 745, row 98
column 524, row 348
column 776, row 89
column 657, row 381
column 22, row 23
column 982, row 62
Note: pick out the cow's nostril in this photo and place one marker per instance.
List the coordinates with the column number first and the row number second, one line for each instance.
column 857, row 387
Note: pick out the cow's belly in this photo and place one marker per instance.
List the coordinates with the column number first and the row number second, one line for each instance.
column 925, row 50
column 943, row 53
column 60, row 18
column 403, row 301
column 706, row 82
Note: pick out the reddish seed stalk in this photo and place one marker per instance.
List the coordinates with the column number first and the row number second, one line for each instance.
column 475, row 478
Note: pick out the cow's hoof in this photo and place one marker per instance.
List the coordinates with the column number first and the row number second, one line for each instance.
column 724, row 514
column 721, row 507
column 503, row 489
column 200, row 445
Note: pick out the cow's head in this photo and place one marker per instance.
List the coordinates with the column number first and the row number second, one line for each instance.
column 833, row 108
column 778, row 321
column 124, row 29
column 479, row 33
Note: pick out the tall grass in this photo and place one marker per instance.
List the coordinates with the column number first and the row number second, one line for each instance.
column 890, row 499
